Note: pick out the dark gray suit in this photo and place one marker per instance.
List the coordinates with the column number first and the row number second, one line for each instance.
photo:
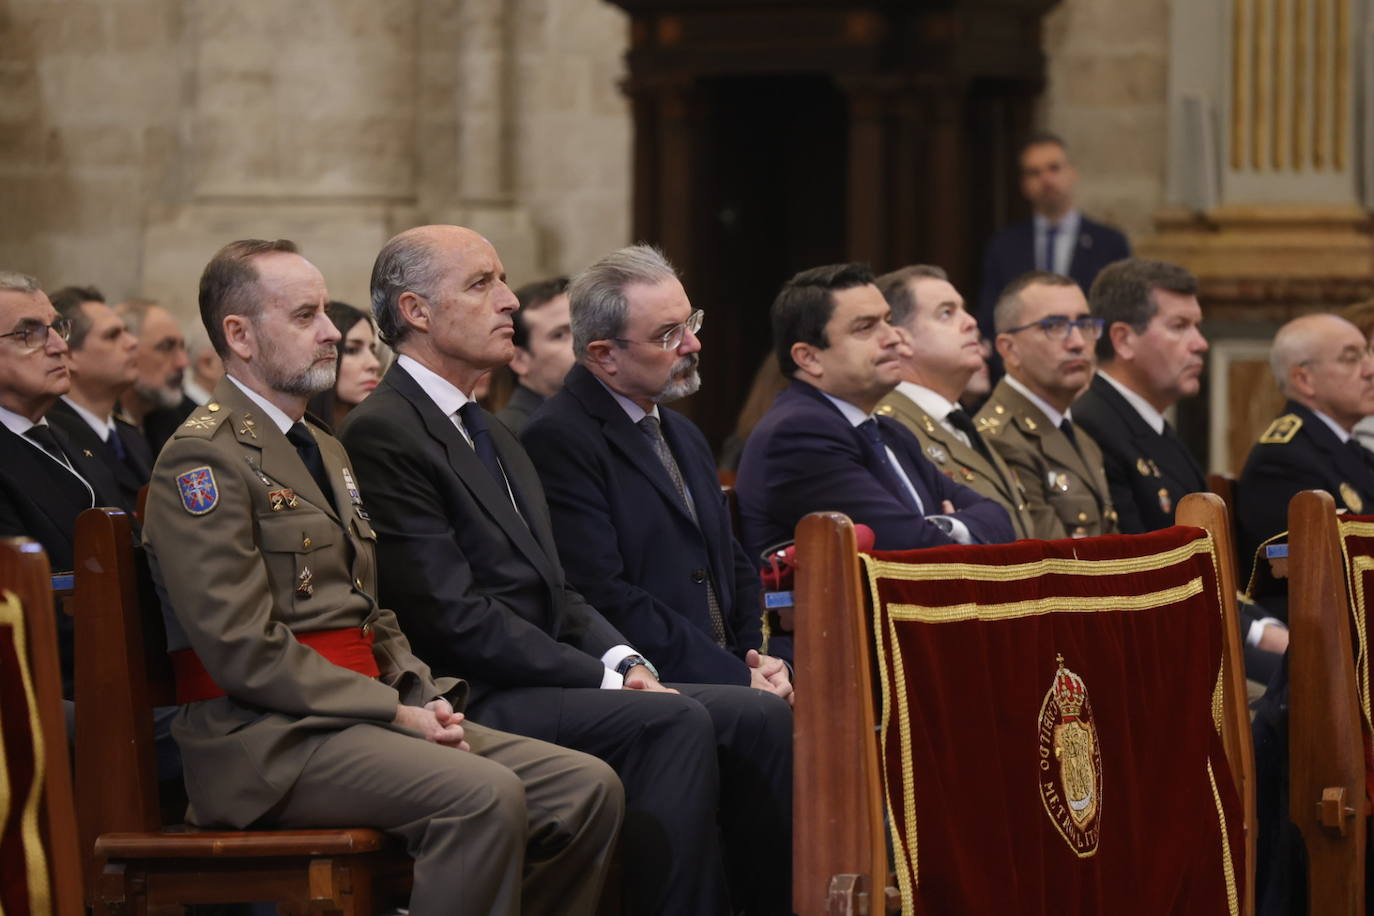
column 482, row 595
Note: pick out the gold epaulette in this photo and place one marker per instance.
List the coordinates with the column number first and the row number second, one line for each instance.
column 1282, row 430
column 203, row 421
column 884, row 410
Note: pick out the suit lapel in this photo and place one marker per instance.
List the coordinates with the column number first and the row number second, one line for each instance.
column 965, row 455
column 625, row 437
column 473, row 475
column 1174, row 460
column 1056, row 446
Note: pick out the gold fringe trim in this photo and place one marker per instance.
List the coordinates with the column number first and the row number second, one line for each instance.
column 1228, row 868
column 1355, row 568
column 924, row 572
column 1038, row 607
column 35, row 859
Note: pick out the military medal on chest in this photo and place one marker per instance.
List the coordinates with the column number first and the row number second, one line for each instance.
column 1351, row 498
column 354, row 496
column 937, row 453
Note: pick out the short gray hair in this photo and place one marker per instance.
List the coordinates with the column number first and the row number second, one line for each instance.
column 596, row 297
column 15, row 282
column 404, row 265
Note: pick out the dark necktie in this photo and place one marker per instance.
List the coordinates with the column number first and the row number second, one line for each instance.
column 1051, row 236
column 44, row 437
column 480, row 434
column 117, row 446
column 873, row 435
column 650, row 427
column 1066, row 427
column 309, row 450
column 961, row 421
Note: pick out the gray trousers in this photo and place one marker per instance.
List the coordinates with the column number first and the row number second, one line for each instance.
column 514, row 826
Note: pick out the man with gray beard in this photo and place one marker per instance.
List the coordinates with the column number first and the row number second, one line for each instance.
column 155, row 403
column 644, row 532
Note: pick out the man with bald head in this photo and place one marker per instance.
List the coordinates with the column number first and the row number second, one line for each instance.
column 1324, row 368
column 467, row 551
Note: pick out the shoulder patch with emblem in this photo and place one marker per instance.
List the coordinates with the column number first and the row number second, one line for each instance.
column 199, row 493
column 1282, row 430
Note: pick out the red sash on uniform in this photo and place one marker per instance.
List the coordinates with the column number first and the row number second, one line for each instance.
column 350, row 647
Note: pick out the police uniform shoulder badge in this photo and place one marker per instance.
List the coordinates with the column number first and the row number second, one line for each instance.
column 1351, row 498
column 199, row 493
column 1282, row 430
column 1071, row 762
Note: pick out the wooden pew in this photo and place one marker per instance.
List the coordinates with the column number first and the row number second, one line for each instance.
column 1326, row 765
column 137, row 860
column 841, row 862
column 33, row 741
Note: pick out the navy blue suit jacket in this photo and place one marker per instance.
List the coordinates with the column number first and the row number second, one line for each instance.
column 626, row 540
column 1011, row 253
column 804, row 457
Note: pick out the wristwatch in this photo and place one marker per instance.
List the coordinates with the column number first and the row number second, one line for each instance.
column 631, row 661
column 943, row 522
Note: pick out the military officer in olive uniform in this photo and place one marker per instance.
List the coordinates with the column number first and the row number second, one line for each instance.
column 945, row 353
column 1324, row 368
column 1045, row 337
column 303, row 703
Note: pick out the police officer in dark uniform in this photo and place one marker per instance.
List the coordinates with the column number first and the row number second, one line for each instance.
column 1323, row 366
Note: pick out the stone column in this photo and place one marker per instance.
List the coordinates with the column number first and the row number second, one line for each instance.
column 1264, row 185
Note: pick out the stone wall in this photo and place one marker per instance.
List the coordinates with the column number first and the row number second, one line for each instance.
column 1107, row 95
column 139, row 135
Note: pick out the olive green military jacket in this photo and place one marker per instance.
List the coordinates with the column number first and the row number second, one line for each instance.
column 1064, row 488
column 964, row 464
column 246, row 551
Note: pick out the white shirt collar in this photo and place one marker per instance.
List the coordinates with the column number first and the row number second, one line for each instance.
column 932, row 402
column 1147, row 412
column 1068, row 225
column 854, row 415
column 441, row 391
column 1341, row 433
column 274, row 413
column 195, row 392
column 1054, row 416
column 632, row 410
column 102, row 428
column 18, row 424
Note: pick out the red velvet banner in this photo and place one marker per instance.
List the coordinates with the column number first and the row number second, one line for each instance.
column 23, row 860
column 1051, row 727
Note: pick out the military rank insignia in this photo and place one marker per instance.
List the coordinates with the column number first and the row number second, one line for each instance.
column 937, row 453
column 199, row 494
column 1071, row 762
column 1282, row 430
column 1166, row 503
column 284, row 498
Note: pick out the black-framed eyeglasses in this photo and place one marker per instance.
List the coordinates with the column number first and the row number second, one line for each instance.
column 34, row 336
column 672, row 338
column 1056, row 327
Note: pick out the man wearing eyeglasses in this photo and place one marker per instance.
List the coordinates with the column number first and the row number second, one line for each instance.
column 468, row 557
column 1045, row 336
column 1322, row 365
column 44, row 479
column 645, row 535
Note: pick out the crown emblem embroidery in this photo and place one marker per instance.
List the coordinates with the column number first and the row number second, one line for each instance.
column 1070, row 762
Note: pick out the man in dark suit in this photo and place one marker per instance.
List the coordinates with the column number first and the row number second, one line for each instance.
column 543, row 349
column 468, row 558
column 645, row 534
column 820, row 446
column 156, row 403
column 1150, row 356
column 45, row 481
column 101, row 359
column 1057, row 238
column 1323, row 367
